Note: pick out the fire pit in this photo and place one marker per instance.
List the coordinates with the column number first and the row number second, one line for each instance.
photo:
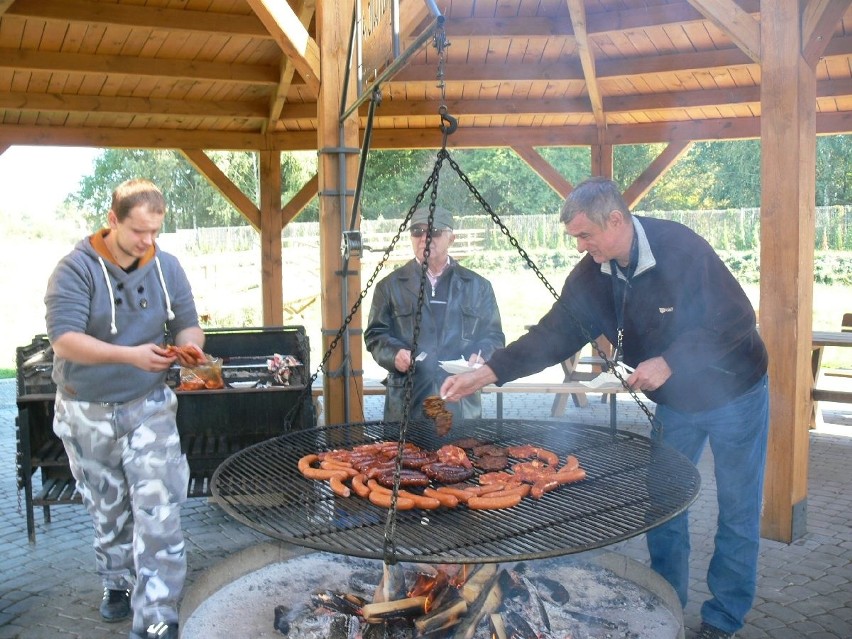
column 632, row 485
column 276, row 590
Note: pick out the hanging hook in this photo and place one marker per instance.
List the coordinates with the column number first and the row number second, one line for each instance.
column 449, row 124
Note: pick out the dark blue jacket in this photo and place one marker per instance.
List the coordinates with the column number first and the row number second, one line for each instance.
column 682, row 304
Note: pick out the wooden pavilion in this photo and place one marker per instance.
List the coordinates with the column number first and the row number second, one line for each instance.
column 271, row 76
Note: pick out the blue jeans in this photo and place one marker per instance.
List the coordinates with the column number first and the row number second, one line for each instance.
column 737, row 432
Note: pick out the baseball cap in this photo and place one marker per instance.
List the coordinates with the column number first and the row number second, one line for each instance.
column 442, row 219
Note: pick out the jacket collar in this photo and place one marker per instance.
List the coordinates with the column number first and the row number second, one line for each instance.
column 647, row 261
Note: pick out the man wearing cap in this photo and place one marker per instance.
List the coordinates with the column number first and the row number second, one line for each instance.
column 459, row 319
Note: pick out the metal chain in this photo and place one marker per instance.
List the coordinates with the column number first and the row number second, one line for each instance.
column 610, row 364
column 389, row 544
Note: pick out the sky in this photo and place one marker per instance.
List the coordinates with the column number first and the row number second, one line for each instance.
column 34, row 180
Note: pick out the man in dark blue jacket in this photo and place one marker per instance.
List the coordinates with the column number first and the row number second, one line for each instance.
column 673, row 310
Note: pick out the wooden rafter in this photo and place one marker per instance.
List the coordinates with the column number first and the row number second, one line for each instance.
column 291, row 35
column 141, row 67
column 230, row 191
column 662, row 163
column 743, row 29
column 96, row 13
column 577, row 11
column 545, row 170
column 300, row 200
column 621, row 21
column 819, row 19
column 304, row 10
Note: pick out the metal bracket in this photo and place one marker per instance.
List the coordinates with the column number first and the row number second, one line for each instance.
column 340, row 374
column 352, row 330
column 352, row 246
column 333, row 150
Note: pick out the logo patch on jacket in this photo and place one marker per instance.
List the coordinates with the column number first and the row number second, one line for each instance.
column 666, row 309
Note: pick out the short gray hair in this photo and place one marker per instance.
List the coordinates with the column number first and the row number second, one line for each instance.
column 597, row 197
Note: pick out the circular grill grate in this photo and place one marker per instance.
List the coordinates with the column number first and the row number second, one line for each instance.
column 632, row 485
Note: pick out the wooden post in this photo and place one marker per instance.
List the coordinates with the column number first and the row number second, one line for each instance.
column 333, row 24
column 271, row 280
column 788, row 178
column 602, row 160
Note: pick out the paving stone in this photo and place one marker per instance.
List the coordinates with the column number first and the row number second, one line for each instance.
column 50, row 589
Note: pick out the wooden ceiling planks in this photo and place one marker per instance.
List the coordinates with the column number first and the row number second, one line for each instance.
column 132, row 63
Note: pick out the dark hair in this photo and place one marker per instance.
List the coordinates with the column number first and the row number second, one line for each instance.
column 132, row 193
column 597, row 197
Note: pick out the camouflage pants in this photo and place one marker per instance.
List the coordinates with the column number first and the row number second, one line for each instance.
column 132, row 476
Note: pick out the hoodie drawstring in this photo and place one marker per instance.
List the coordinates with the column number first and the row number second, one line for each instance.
column 169, row 313
column 113, row 329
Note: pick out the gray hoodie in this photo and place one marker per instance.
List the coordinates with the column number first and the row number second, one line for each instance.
column 89, row 294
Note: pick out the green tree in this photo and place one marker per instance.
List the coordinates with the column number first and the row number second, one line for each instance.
column 192, row 201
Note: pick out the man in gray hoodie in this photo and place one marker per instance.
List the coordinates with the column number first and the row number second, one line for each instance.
column 110, row 303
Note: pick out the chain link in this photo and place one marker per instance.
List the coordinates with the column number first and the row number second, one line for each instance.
column 610, row 364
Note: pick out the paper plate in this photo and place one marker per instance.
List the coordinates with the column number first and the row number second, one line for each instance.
column 243, row 384
column 458, row 366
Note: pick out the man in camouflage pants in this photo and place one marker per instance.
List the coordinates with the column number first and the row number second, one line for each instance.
column 110, row 303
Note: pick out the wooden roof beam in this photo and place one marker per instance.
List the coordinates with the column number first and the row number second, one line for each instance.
column 651, row 175
column 577, row 12
column 222, row 183
column 604, row 69
column 464, row 137
column 552, row 106
column 304, row 10
column 742, row 28
column 135, row 66
column 501, row 27
column 819, row 20
column 159, row 18
column 292, row 37
column 544, row 169
column 57, row 103
column 300, row 200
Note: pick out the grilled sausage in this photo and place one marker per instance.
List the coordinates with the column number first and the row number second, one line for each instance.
column 384, row 500
column 494, row 502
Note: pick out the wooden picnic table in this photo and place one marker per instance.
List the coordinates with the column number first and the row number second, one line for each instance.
column 819, row 341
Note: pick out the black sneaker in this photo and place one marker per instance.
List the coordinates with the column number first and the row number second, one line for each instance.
column 115, row 606
column 710, row 632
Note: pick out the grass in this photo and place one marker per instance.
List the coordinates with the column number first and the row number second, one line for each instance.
column 227, row 290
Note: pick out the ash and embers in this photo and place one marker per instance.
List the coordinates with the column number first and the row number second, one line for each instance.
column 322, row 596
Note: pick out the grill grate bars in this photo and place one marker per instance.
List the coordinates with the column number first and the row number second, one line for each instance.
column 632, row 485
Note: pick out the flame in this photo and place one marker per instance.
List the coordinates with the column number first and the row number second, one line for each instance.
column 430, row 586
column 460, row 578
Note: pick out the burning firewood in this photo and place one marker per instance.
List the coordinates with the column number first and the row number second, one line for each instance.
column 478, row 581
column 488, row 601
column 392, row 585
column 407, row 607
column 441, row 618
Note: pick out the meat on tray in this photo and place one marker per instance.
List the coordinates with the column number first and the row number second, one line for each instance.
column 439, row 479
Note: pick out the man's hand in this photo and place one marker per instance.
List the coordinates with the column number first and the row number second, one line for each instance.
column 187, row 354
column 402, row 360
column 456, row 387
column 151, row 358
column 650, row 375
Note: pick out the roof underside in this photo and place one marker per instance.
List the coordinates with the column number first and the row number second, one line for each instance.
column 220, row 74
